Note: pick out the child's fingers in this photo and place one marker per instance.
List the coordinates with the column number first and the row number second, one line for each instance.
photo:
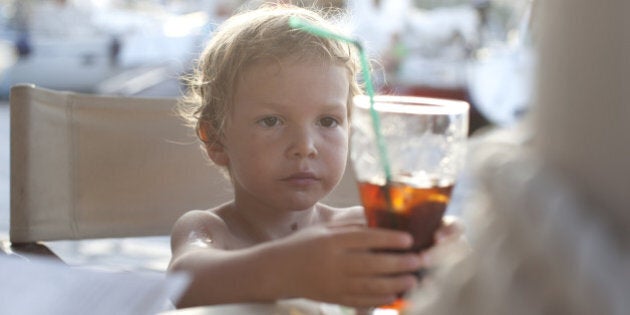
column 367, row 263
column 375, row 238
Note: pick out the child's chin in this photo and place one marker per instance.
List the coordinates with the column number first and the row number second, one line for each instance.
column 300, row 204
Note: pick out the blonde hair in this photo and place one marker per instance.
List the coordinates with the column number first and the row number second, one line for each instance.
column 247, row 38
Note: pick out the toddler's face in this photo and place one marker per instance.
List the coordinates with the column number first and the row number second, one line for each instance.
column 286, row 140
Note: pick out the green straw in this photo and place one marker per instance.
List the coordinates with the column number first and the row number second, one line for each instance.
column 298, row 23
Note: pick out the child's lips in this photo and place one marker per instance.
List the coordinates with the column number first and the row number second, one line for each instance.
column 301, row 178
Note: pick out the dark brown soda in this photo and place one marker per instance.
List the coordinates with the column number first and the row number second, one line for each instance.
column 417, row 210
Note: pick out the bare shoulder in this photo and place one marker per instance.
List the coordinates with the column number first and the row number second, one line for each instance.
column 349, row 215
column 198, row 220
column 200, row 228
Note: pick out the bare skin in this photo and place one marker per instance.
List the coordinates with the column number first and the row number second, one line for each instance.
column 331, row 260
column 285, row 146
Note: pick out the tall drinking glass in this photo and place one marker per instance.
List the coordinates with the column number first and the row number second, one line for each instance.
column 406, row 177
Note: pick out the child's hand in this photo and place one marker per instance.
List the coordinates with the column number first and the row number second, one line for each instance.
column 347, row 265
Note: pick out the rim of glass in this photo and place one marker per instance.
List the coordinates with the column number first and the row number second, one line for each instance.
column 412, row 104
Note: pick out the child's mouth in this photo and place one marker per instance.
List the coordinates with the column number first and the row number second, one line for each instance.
column 301, row 178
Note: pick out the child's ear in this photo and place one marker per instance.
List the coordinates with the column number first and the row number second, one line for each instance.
column 217, row 154
column 214, row 146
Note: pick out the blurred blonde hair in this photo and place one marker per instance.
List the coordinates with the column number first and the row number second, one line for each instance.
column 249, row 37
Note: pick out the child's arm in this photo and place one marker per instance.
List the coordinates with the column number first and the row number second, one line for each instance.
column 330, row 264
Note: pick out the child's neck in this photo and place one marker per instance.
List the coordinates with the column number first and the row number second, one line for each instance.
column 261, row 225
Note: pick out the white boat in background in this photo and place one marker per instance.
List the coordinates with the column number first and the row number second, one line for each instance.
column 77, row 64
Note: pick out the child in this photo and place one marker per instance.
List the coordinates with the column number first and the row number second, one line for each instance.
column 271, row 106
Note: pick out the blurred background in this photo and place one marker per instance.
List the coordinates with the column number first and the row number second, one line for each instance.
column 446, row 48
column 475, row 50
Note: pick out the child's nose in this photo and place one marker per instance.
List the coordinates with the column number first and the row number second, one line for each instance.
column 302, row 143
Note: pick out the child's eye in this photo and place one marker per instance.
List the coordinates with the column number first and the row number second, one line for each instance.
column 270, row 121
column 328, row 122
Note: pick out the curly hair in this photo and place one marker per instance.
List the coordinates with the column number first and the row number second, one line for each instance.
column 259, row 35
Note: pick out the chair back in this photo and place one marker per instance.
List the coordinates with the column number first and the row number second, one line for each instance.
column 88, row 166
